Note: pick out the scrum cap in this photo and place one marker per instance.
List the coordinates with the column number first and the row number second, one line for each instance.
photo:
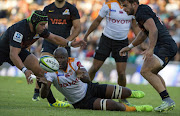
column 36, row 17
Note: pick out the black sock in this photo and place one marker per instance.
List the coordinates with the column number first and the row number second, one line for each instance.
column 36, row 90
column 164, row 94
column 39, row 84
column 51, row 98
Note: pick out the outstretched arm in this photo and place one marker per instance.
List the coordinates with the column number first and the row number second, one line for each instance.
column 19, row 64
column 58, row 40
column 45, row 87
column 93, row 26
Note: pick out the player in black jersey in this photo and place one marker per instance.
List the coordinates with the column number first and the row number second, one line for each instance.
column 161, row 48
column 62, row 17
column 18, row 37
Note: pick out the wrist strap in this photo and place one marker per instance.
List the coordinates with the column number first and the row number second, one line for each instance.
column 24, row 69
column 130, row 46
column 69, row 43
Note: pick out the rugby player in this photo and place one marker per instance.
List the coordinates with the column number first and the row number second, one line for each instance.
column 113, row 39
column 73, row 81
column 162, row 48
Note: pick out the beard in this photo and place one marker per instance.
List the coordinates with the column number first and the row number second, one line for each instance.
column 131, row 12
column 60, row 1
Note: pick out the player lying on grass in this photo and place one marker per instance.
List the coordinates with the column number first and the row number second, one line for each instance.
column 73, row 81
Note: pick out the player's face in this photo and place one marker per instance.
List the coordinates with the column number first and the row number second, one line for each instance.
column 40, row 27
column 63, row 60
column 128, row 7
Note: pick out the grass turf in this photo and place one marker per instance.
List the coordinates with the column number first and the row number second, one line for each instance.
column 16, row 95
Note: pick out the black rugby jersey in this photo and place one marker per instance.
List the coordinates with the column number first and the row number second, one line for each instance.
column 60, row 19
column 144, row 12
column 19, row 36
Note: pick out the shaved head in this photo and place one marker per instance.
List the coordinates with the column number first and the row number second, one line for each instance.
column 60, row 51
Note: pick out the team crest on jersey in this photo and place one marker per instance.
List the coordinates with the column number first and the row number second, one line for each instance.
column 36, row 36
column 18, row 37
column 66, row 12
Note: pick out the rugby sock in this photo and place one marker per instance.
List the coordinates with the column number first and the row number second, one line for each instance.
column 36, row 90
column 51, row 98
column 129, row 108
column 164, row 94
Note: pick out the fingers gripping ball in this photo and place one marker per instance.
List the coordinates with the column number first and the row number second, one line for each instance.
column 49, row 63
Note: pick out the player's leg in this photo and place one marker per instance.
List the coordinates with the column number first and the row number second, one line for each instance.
column 121, row 62
column 149, row 71
column 109, row 92
column 94, row 68
column 102, row 52
column 109, row 104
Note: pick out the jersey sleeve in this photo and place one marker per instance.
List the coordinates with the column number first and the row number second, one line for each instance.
column 104, row 10
column 16, row 39
column 45, row 33
column 143, row 16
column 50, row 76
column 74, row 13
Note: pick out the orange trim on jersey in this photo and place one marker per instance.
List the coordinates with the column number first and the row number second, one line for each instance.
column 69, row 62
column 109, row 3
column 71, row 66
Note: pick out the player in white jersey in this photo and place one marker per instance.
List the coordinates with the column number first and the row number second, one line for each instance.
column 73, row 81
column 113, row 39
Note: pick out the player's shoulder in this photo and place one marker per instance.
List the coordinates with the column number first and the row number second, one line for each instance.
column 71, row 59
column 20, row 26
column 50, row 6
column 143, row 9
column 69, row 5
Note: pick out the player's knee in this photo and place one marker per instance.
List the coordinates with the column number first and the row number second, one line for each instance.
column 126, row 92
column 143, row 72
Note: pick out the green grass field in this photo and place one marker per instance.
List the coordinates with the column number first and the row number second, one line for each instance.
column 16, row 94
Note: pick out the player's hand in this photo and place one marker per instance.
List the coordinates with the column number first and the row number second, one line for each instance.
column 80, row 43
column 80, row 73
column 28, row 74
column 148, row 54
column 43, row 80
column 123, row 51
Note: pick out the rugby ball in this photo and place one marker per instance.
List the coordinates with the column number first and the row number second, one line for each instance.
column 49, row 63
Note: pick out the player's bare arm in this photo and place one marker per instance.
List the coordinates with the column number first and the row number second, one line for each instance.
column 138, row 40
column 45, row 87
column 64, row 42
column 18, row 62
column 83, row 75
column 93, row 26
column 135, row 27
column 153, row 35
column 76, row 29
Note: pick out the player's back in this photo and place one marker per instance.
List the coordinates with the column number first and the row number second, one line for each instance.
column 144, row 12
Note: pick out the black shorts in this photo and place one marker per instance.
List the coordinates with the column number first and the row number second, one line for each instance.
column 94, row 91
column 166, row 51
column 50, row 47
column 107, row 45
column 23, row 55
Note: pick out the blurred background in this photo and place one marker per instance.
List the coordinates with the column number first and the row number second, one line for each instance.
column 12, row 11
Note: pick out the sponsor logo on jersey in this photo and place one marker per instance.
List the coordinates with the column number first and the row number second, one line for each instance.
column 58, row 21
column 51, row 10
column 66, row 12
column 62, row 74
column 112, row 10
column 36, row 36
column 69, row 83
column 18, row 37
column 119, row 21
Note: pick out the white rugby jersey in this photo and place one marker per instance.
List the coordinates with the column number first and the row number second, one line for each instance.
column 67, row 82
column 118, row 22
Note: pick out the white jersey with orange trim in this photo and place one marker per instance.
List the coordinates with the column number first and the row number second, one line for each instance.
column 67, row 82
column 118, row 22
